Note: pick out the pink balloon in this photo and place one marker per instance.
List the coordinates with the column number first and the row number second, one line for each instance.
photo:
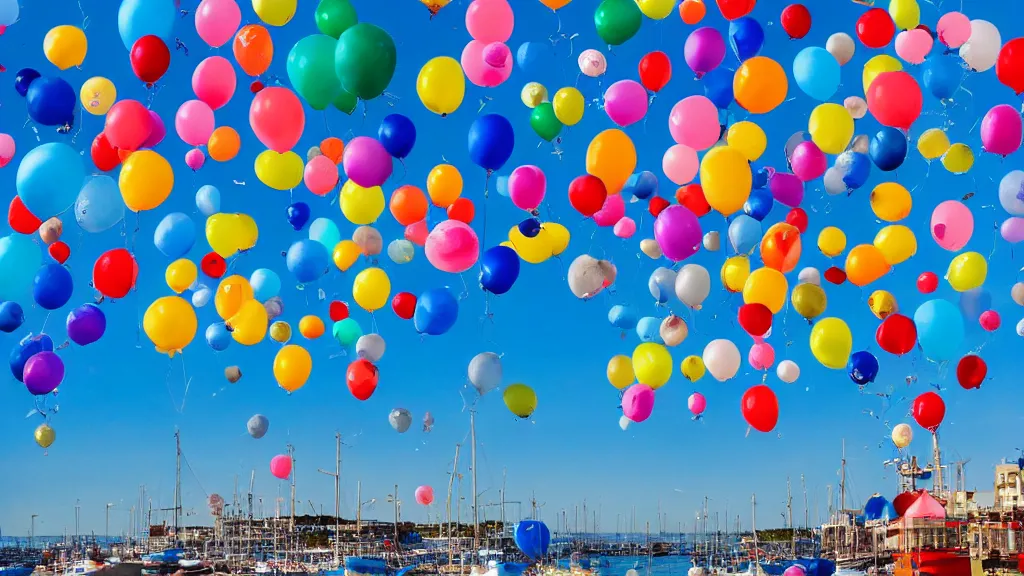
column 277, row 119
column 157, row 130
column 786, row 188
column 479, row 71
column 497, row 55
column 697, row 403
column 194, row 122
column 417, row 233
column 592, row 63
column 625, row 102
column 808, row 161
column 795, row 570
column 424, row 495
column 625, row 227
column 612, row 211
column 526, row 187
column 990, row 320
column 452, row 246
column 914, row 45
column 680, row 164
column 761, row 356
column 490, row 20
column 952, row 225
column 1001, row 130
column 7, row 149
column 320, row 175
column 366, row 162
column 195, row 159
column 281, row 466
column 214, row 81
column 1012, row 230
column 217, row 21
column 638, row 402
column 953, row 29
column 125, row 125
column 694, row 122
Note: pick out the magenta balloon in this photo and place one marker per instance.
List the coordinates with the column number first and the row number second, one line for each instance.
column 366, row 162
column 638, row 402
column 44, row 371
column 217, row 21
column 613, row 210
column 452, row 246
column 678, row 233
column 526, row 187
column 761, row 356
column 1001, row 130
column 808, row 161
column 497, row 55
column 157, row 130
column 786, row 189
column 478, row 71
column 214, row 81
column 625, row 102
column 424, row 495
column 952, row 225
column 795, row 570
column 697, row 403
column 1012, row 230
column 704, row 50
column 490, row 20
column 694, row 122
column 625, row 227
column 281, row 466
column 195, row 159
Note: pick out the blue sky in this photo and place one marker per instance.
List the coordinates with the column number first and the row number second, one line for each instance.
column 118, row 403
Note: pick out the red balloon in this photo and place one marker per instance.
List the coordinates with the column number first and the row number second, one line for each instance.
column 733, row 9
column 256, row 86
column 361, row 377
column 127, row 125
column 796, row 21
column 404, row 305
column 692, row 196
column 115, row 272
column 462, row 210
column 21, row 220
column 150, row 58
column 59, row 251
column 897, row 334
column 971, row 371
column 587, row 194
column 213, row 265
column 656, row 204
column 655, row 70
column 835, row 275
column 797, row 217
column 929, row 410
column 756, row 319
column 760, row 408
column 875, row 28
column 1010, row 65
column 338, row 311
column 895, row 100
column 927, row 282
column 104, row 156
column 903, row 502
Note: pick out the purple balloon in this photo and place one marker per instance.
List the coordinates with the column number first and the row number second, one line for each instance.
column 638, row 402
column 808, row 161
column 366, row 162
column 678, row 233
column 43, row 373
column 86, row 324
column 786, row 189
column 1012, row 230
column 157, row 130
column 704, row 50
column 1001, row 130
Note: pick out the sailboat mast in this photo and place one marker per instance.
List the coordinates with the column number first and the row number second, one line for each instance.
column 753, row 526
column 291, row 456
column 177, row 480
column 476, row 525
column 337, row 500
column 451, row 483
column 789, row 514
column 842, row 481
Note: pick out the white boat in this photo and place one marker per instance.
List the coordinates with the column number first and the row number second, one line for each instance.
column 82, row 568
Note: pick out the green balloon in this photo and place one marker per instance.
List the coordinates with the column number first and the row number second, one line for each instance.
column 617, row 20
column 345, row 102
column 335, row 16
column 365, row 60
column 346, row 332
column 544, row 121
column 311, row 70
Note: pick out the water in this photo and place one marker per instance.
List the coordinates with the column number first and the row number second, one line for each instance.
column 661, row 566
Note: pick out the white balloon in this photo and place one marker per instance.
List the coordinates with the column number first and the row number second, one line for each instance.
column 856, row 106
column 673, row 330
column 809, row 275
column 861, row 143
column 370, row 347
column 1020, row 328
column 1011, row 192
column 722, row 359
column 712, row 241
column 401, row 251
column 902, row 435
column 788, row 371
column 693, row 284
column 592, row 63
column 841, row 47
column 834, row 184
column 632, row 572
column 623, row 422
column 662, row 284
column 650, row 248
column 981, row 50
column 400, row 420
column 485, row 372
column 587, row 276
column 201, row 296
column 1017, row 293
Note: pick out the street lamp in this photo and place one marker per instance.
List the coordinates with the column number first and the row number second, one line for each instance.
column 106, row 530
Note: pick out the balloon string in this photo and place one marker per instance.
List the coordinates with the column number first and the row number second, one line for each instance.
column 187, row 380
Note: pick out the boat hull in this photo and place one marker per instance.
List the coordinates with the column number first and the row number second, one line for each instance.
column 932, row 563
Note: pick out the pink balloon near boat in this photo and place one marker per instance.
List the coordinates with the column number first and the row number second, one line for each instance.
column 761, row 356
column 366, row 162
column 320, row 175
column 680, row 164
column 786, row 188
column 613, row 210
column 914, row 45
column 424, row 495
column 527, row 186
column 195, row 159
column 638, row 402
column 952, row 225
column 281, row 466
column 697, row 403
column 452, row 246
column 625, row 102
column 808, row 161
column 1001, row 130
column 7, row 149
column 990, row 320
column 693, row 122
column 625, row 227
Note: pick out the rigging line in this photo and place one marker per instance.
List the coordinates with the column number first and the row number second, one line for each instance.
column 194, row 476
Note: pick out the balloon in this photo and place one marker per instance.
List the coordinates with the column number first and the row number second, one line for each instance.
column 335, row 16
column 311, row 70
column 544, row 121
column 51, row 102
column 617, row 21
column 941, row 77
column 611, row 157
column 745, row 37
column 914, row 45
column 277, row 119
column 530, row 56
column 1001, row 130
column 217, row 21
column 902, row 435
column 760, row 201
column 213, row 265
column 114, row 273
column 831, row 128
column 831, row 241
column 638, row 402
column 875, row 28
column 704, row 50
column 692, row 368
column 401, row 251
column 971, row 372
column 809, row 275
column 499, row 269
column 928, row 411
column 52, row 286
column 809, row 300
column 326, row 232
column 808, row 161
column 760, row 408
column 694, row 122
column 761, row 356
column 726, row 179
column 990, row 320
column 1008, row 66
column 940, row 329
column 43, row 373
column 520, row 399
column 397, row 134
column 680, row 164
column 722, row 359
column 23, row 80
column 890, row 202
column 170, row 323
column 692, row 11
column 655, row 70
column 693, row 285
column 765, row 285
column 625, row 102
column 897, row 334
column 491, row 140
column 48, row 179
column 181, row 274
column 592, row 63
column 534, row 94
column 275, row 12
column 436, row 312
column 146, row 180
column 253, row 49
column 97, row 96
column 441, row 85
column 718, row 87
column 696, row 403
column 981, row 50
column 927, row 282
column 760, row 85
column 958, row 159
column 841, row 47
column 364, row 60
column 788, row 371
column 175, row 235
column 248, row 325
column 816, row 73
column 661, row 285
column 307, row 260
column 831, row 342
column 587, row 194
column 652, row 364
column 361, row 205
column 229, row 234
column 673, row 330
column 281, row 466
column 12, row 316
column 150, row 59
column 371, row 289
column 952, row 225
column 781, row 247
column 279, row 171
column 747, row 138
column 452, row 246
column 796, row 21
column 894, row 99
column 369, row 240
column 866, row 263
column 755, row 319
column 65, row 46
column 967, row 271
column 86, row 324
column 888, row 149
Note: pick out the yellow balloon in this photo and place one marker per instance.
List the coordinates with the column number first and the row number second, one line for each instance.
column 652, row 364
column 146, row 180
column 65, row 46
column 809, row 300
column 441, row 85
column 444, row 185
column 897, row 243
column 902, row 435
column 558, row 236
column 882, row 304
column 569, row 105
column 967, row 271
column 891, row 202
column 45, row 436
column 877, row 65
column 275, row 12
column 726, row 179
column 345, row 254
column 279, row 171
column 361, row 206
column 232, row 292
column 520, row 399
column 228, row 234
column 933, row 143
column 371, row 289
column 656, row 9
column 180, row 274
column 831, row 241
column 748, row 139
column 98, row 95
column 831, row 127
column 611, row 157
column 958, row 159
column 533, row 94
column 831, row 342
column 734, row 273
column 693, row 368
column 280, row 331
column 620, row 371
column 435, row 5
column 766, row 286
column 311, row 327
column 864, row 264
column 905, row 13
column 555, row 4
column 533, row 250
column 170, row 323
column 249, row 325
column 292, row 367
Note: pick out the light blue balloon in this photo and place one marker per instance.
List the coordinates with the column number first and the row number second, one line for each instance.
column 501, row 184
column 649, row 329
column 218, row 336
column 20, row 259
column 8, row 12
column 49, row 178
column 138, row 18
column 265, row 284
column 641, row 185
column 974, row 302
column 622, row 317
column 175, row 235
column 530, row 56
column 744, row 234
column 208, row 200
column 307, row 260
column 816, row 73
column 662, row 284
column 99, row 205
column 855, row 168
column 940, row 329
column 326, row 232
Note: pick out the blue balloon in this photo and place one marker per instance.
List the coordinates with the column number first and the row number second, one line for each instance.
column 49, row 178
column 208, row 200
column 499, row 269
column 529, row 227
column 86, row 324
column 398, row 135
column 662, row 284
column 99, row 205
column 530, row 56
column 863, row 367
column 816, row 72
column 51, row 102
column 942, row 76
column 138, row 18
column 298, row 215
column 940, row 329
column 265, row 284
column 175, row 235
column 744, row 233
column 641, row 185
column 491, row 140
column 11, row 316
column 326, row 232
column 307, row 260
column 28, row 347
column 855, row 167
column 501, row 185
column 532, row 537
column 218, row 336
column 622, row 317
column 20, row 258
column 888, row 149
column 974, row 302
column 878, row 508
column 758, row 204
column 718, row 87
column 759, row 177
column 746, row 37
column 649, row 330
column 436, row 312
column 8, row 12
column 23, row 79
column 52, row 286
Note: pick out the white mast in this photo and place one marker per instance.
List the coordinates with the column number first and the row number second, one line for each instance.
column 476, row 517
column 337, row 497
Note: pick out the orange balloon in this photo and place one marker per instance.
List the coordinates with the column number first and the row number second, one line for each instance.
column 254, row 49
column 224, row 144
column 781, row 247
column 462, row 210
column 692, row 11
column 311, row 327
column 760, row 85
column 333, row 148
column 444, row 185
column 865, row 264
column 408, row 205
